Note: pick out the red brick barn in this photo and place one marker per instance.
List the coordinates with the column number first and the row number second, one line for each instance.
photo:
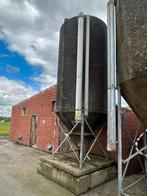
column 32, row 121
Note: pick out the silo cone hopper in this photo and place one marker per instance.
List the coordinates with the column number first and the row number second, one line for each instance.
column 132, row 54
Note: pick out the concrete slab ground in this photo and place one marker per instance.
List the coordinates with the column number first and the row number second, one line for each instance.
column 18, row 173
column 18, row 176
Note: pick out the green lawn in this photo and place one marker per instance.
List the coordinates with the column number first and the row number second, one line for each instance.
column 4, row 128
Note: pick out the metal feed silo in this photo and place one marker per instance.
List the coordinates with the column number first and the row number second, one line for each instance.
column 67, row 68
column 132, row 54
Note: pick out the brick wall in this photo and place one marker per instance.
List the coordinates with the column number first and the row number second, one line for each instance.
column 40, row 105
column 130, row 124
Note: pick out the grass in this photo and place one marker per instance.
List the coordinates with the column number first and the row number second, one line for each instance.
column 4, row 129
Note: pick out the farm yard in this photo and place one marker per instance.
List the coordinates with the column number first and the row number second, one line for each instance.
column 73, row 98
column 18, row 165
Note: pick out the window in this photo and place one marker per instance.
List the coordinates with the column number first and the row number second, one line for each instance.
column 23, row 111
column 53, row 106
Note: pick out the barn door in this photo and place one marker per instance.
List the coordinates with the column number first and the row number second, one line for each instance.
column 34, row 122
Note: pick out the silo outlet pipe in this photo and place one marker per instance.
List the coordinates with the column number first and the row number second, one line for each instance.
column 79, row 75
column 111, row 76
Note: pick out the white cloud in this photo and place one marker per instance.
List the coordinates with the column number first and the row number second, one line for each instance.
column 45, row 79
column 31, row 28
column 12, row 69
column 12, row 92
column 28, row 31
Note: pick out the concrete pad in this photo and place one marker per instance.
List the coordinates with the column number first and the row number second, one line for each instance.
column 66, row 172
column 69, row 164
column 102, row 176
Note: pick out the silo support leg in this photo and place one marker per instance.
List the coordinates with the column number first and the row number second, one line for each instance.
column 82, row 142
column 120, row 180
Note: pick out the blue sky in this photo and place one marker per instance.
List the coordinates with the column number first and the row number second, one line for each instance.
column 29, row 37
column 15, row 67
